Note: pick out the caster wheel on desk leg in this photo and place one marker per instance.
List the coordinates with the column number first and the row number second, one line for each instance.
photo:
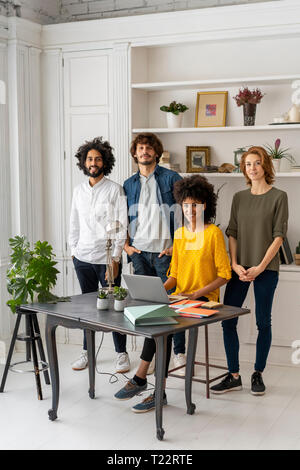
column 92, row 394
column 160, row 434
column 191, row 409
column 52, row 415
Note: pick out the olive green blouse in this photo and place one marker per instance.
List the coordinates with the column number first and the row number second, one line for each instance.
column 255, row 221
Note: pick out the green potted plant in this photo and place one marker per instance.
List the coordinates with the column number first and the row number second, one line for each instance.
column 31, row 273
column 174, row 113
column 249, row 99
column 120, row 296
column 297, row 255
column 277, row 153
column 102, row 299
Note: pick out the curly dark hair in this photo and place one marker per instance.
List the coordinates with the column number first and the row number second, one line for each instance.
column 106, row 153
column 150, row 139
column 198, row 188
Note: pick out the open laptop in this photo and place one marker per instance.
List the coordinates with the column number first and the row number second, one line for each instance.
column 149, row 288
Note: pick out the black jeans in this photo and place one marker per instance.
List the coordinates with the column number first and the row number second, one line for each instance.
column 89, row 276
column 235, row 294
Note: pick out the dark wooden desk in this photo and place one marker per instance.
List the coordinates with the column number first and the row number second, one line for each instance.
column 82, row 313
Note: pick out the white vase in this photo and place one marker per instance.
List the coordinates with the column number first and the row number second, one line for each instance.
column 102, row 304
column 294, row 114
column 119, row 305
column 174, row 120
column 276, row 164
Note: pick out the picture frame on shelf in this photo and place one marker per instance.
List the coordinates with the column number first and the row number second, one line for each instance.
column 211, row 108
column 197, row 158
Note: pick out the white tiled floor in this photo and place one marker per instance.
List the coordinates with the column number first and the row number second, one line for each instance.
column 235, row 420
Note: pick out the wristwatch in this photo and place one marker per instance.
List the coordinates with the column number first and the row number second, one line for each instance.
column 117, row 259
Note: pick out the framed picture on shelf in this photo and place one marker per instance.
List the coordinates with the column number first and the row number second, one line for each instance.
column 197, row 158
column 211, row 109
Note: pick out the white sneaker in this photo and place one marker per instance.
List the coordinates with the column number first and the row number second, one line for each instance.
column 179, row 360
column 151, row 368
column 122, row 363
column 82, row 362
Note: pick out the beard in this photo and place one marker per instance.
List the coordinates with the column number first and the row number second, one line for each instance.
column 147, row 162
column 94, row 174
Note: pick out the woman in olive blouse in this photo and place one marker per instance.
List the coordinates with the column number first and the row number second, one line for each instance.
column 257, row 227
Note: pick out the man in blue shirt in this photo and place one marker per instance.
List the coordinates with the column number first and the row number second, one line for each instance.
column 151, row 220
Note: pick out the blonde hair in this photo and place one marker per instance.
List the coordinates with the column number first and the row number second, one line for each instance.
column 266, row 162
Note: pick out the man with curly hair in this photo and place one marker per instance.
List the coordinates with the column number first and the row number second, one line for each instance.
column 97, row 203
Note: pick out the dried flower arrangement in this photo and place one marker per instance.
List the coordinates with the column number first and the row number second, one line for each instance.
column 247, row 96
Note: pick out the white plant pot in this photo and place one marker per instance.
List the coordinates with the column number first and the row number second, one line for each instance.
column 102, row 304
column 276, row 164
column 174, row 120
column 119, row 305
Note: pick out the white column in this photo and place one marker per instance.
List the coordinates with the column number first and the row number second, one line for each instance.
column 120, row 116
column 5, row 315
column 24, row 139
column 53, row 160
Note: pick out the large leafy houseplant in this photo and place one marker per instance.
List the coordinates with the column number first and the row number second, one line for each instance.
column 31, row 274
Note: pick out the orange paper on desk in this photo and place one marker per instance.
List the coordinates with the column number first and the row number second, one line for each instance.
column 199, row 312
column 185, row 303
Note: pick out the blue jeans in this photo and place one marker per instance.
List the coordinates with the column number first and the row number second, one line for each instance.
column 89, row 276
column 149, row 264
column 235, row 294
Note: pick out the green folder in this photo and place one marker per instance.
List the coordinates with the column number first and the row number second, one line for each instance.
column 147, row 315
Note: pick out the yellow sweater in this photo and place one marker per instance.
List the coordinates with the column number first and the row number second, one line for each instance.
column 198, row 259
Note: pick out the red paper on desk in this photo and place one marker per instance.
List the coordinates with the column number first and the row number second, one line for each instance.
column 185, row 303
column 196, row 312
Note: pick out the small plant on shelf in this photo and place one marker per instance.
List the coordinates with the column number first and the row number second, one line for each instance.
column 278, row 153
column 175, row 108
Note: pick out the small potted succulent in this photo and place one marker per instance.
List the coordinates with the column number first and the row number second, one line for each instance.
column 174, row 113
column 249, row 99
column 277, row 153
column 120, row 296
column 297, row 255
column 102, row 300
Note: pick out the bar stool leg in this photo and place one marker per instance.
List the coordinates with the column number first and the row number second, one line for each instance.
column 35, row 359
column 206, row 361
column 40, row 346
column 28, row 347
column 10, row 352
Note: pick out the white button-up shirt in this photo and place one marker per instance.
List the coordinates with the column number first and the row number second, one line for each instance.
column 93, row 208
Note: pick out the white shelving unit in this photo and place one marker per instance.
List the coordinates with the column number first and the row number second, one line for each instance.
column 182, row 130
column 192, row 84
column 288, row 174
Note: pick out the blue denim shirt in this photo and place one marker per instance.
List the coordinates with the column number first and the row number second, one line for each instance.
column 165, row 182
